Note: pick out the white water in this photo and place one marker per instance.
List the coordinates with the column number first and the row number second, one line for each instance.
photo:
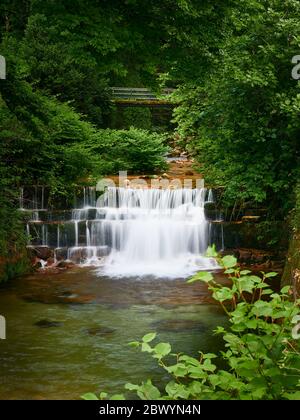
column 132, row 232
column 154, row 232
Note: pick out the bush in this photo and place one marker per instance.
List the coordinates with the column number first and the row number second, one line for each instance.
column 262, row 356
column 133, row 150
column 138, row 117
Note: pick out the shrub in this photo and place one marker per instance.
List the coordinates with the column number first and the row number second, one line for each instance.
column 138, row 117
column 133, row 150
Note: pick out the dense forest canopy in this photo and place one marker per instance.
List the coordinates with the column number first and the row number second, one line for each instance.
column 238, row 112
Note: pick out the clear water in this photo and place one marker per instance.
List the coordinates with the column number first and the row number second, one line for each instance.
column 88, row 351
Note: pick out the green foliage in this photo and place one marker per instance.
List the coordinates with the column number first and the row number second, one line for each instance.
column 262, row 353
column 130, row 150
column 138, row 117
column 241, row 120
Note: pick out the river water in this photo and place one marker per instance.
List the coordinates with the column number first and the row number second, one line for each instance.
column 68, row 333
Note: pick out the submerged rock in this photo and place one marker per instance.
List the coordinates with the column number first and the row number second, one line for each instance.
column 46, row 323
column 65, row 264
column 54, row 297
column 100, row 331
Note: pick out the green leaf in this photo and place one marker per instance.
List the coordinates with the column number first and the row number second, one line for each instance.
column 208, row 366
column 179, row 370
column 229, row 271
column 131, row 387
column 134, row 344
column 148, row 391
column 245, row 272
column 146, row 348
column 149, row 337
column 292, row 396
column 162, row 349
column 223, row 294
column 117, row 397
column 246, row 284
column 229, row 261
column 271, row 274
column 176, row 391
column 204, row 276
column 211, row 252
column 209, row 356
column 197, row 373
column 90, row 397
column 261, row 308
column 285, row 289
column 219, row 330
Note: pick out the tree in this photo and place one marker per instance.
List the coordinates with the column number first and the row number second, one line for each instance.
column 241, row 119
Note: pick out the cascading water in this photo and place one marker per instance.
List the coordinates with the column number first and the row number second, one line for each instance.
column 161, row 232
column 129, row 232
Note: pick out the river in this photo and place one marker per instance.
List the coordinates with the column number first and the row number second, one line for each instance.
column 68, row 333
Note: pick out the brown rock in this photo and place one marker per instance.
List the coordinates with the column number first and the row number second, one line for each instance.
column 50, row 262
column 42, row 252
column 245, row 255
column 166, row 176
column 65, row 264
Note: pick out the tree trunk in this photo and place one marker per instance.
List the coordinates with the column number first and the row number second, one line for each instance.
column 291, row 274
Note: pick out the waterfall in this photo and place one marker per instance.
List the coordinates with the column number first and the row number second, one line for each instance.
column 162, row 232
column 58, row 237
column 153, row 231
column 21, row 198
column 32, row 198
column 210, row 198
column 130, row 231
column 89, row 196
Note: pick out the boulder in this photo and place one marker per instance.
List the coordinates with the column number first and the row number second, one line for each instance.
column 42, row 252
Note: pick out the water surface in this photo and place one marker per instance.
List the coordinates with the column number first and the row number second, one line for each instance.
column 94, row 318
